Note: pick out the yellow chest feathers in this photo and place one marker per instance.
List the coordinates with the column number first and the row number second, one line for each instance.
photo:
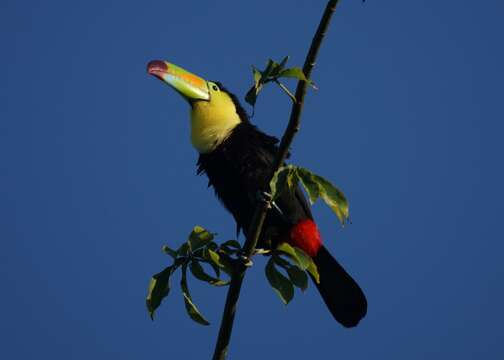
column 212, row 121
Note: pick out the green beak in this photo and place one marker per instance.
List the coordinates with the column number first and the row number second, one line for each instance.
column 190, row 86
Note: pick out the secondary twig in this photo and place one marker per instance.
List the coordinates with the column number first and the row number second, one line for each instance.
column 261, row 210
column 287, row 91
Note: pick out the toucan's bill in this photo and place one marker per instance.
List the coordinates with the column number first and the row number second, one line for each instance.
column 190, row 86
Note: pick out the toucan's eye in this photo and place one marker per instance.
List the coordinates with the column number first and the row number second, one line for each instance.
column 215, row 87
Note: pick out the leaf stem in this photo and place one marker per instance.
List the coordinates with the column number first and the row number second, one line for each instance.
column 261, row 210
column 284, row 88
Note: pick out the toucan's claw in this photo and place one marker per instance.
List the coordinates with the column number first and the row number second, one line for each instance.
column 264, row 197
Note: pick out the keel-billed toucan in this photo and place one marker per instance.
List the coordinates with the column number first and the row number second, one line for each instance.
column 237, row 158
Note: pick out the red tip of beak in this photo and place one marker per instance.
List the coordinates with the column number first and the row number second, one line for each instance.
column 157, row 67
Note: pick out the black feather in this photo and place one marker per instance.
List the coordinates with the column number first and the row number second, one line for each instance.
column 342, row 295
column 238, row 170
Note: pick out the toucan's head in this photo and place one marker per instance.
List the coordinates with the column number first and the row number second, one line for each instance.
column 214, row 111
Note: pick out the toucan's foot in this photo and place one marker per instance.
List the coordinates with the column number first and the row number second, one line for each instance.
column 264, row 197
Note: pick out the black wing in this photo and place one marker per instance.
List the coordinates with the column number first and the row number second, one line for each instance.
column 238, row 170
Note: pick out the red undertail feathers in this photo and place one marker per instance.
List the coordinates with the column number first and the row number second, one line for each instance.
column 306, row 236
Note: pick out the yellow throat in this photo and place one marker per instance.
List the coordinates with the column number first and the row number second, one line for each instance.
column 213, row 120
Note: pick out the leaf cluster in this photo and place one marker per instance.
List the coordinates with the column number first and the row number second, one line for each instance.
column 287, row 268
column 199, row 248
column 294, row 261
column 273, row 73
column 288, row 177
column 296, row 264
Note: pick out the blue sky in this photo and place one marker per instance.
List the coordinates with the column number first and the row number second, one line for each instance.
column 97, row 173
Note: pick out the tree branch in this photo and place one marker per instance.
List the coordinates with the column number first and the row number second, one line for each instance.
column 261, row 210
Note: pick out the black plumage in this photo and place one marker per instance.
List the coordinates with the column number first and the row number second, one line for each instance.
column 238, row 169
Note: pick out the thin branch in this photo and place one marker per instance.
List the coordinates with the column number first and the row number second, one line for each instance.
column 261, row 210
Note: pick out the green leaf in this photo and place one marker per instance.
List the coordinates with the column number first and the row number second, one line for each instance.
column 296, row 254
column 316, row 186
column 296, row 274
column 276, row 68
column 159, row 288
column 280, row 284
column 281, row 261
column 184, row 249
column 278, row 182
column 301, row 259
column 227, row 250
column 298, row 277
column 335, row 199
column 215, row 268
column 283, row 63
column 251, row 96
column 199, row 237
column 285, row 178
column 290, row 251
column 230, row 247
column 212, row 257
column 212, row 245
column 191, row 308
column 295, row 72
column 307, row 260
column 200, row 274
column 167, row 250
column 232, row 243
column 193, row 311
column 257, row 76
column 310, row 184
column 269, row 68
column 312, row 269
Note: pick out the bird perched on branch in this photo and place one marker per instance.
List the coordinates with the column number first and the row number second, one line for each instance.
column 237, row 158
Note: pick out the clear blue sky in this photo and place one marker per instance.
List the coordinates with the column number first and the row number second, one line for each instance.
column 97, row 173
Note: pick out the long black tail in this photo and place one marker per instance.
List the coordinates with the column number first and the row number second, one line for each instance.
column 344, row 298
